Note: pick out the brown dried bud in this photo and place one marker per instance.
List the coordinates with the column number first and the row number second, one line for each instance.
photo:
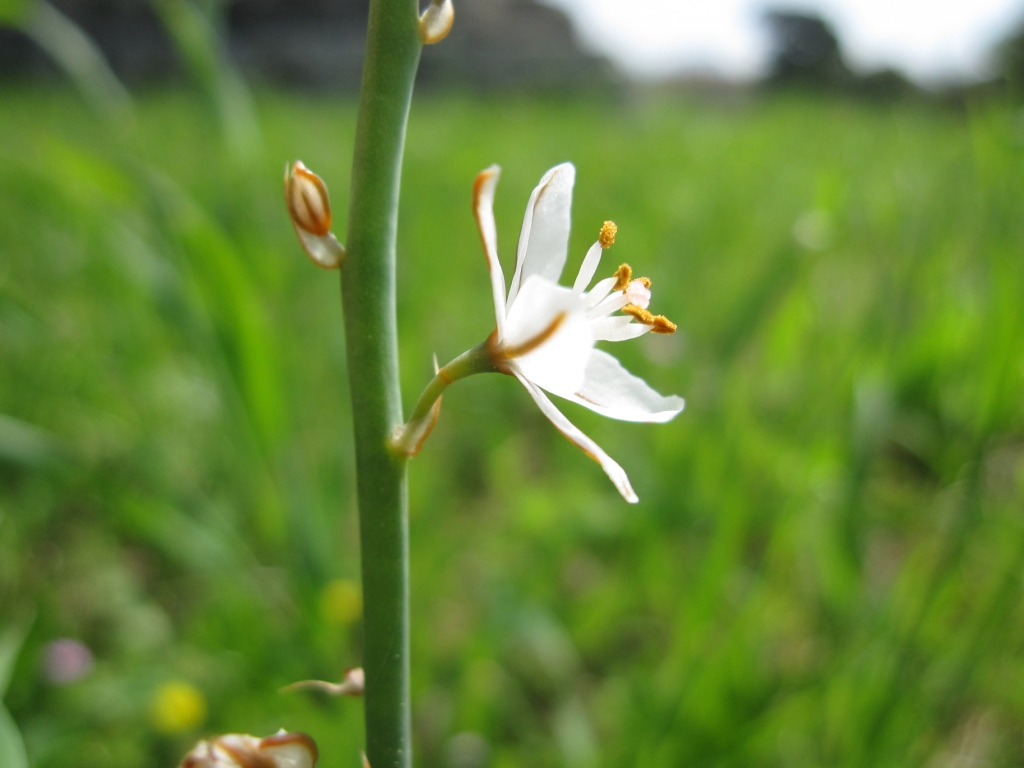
column 309, row 207
column 308, row 202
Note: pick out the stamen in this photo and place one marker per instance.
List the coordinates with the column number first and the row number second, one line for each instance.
column 510, row 353
column 622, row 277
column 658, row 323
column 607, row 236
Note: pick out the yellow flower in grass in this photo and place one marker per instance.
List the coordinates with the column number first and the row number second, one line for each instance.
column 177, row 706
column 341, row 602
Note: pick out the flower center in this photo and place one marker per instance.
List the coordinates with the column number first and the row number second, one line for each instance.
column 638, row 292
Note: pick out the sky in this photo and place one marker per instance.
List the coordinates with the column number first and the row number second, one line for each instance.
column 932, row 41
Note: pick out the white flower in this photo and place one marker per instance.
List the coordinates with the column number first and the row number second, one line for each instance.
column 545, row 333
column 240, row 750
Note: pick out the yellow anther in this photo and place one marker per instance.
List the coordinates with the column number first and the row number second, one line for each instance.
column 607, row 236
column 622, row 277
column 658, row 323
column 663, row 325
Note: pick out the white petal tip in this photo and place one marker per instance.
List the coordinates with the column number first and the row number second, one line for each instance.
column 675, row 404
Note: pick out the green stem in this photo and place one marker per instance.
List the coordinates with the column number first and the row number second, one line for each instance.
column 479, row 359
column 368, row 301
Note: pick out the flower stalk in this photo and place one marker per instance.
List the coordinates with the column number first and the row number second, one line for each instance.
column 368, row 301
column 409, row 438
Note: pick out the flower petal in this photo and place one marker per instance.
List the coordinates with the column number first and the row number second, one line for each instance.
column 544, row 238
column 483, row 210
column 611, row 390
column 616, row 473
column 548, row 337
column 617, row 328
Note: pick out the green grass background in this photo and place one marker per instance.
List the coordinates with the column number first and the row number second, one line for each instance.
column 825, row 566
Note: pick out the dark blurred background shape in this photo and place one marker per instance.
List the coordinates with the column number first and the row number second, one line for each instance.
column 318, row 44
column 1009, row 59
column 805, row 51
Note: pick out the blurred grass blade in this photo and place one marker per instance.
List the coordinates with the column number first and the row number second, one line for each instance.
column 23, row 443
column 232, row 301
column 13, row 11
column 80, row 58
column 10, row 645
column 12, row 746
column 198, row 43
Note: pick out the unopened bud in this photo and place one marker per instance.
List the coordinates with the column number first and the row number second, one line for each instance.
column 309, row 207
column 436, row 21
column 239, row 750
column 308, row 201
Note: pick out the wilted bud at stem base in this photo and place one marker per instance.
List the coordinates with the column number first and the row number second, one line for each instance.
column 239, row 750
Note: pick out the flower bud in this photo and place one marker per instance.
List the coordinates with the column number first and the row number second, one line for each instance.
column 309, row 207
column 239, row 750
column 436, row 21
column 308, row 202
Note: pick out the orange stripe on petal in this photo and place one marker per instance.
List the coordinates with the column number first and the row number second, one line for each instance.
column 483, row 212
